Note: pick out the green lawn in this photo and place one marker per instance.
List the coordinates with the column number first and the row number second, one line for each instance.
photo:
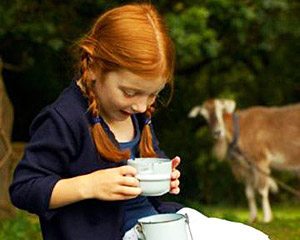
column 286, row 224
column 22, row 227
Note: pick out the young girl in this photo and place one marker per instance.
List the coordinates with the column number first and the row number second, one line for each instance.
column 74, row 174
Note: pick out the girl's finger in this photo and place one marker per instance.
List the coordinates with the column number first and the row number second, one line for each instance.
column 129, row 192
column 175, row 184
column 127, row 170
column 175, row 162
column 130, row 181
column 175, row 191
column 175, row 174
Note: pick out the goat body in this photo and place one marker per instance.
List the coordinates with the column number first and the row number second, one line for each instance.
column 268, row 137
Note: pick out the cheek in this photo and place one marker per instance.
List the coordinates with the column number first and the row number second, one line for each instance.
column 118, row 101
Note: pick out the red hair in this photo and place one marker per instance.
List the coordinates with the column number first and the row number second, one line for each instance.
column 132, row 37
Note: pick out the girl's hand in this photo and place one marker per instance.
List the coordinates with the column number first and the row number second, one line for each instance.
column 174, row 176
column 114, row 184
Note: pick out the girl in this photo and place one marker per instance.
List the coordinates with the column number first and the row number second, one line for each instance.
column 74, row 174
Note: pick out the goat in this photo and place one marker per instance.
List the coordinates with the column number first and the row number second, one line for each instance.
column 256, row 139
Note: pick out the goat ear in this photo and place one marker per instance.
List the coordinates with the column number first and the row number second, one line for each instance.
column 195, row 112
column 198, row 110
column 229, row 106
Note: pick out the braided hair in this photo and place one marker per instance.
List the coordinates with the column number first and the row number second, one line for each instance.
column 132, row 37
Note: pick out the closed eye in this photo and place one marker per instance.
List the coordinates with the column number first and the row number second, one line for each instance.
column 129, row 92
column 132, row 93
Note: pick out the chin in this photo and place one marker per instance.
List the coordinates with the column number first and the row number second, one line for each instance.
column 121, row 117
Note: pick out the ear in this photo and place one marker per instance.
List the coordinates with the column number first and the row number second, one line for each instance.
column 229, row 105
column 194, row 112
column 198, row 110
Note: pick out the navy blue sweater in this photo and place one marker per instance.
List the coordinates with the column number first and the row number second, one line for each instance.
column 61, row 146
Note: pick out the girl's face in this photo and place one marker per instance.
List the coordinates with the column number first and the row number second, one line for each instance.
column 123, row 93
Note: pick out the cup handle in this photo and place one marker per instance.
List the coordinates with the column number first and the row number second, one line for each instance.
column 139, row 231
column 187, row 220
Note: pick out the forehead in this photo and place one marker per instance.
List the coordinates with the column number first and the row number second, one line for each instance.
column 130, row 80
column 210, row 105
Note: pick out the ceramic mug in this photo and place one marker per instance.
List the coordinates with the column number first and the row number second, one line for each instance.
column 154, row 175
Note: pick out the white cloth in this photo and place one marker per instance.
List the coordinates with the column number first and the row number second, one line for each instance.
column 130, row 235
column 205, row 228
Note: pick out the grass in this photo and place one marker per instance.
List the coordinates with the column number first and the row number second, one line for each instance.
column 21, row 227
column 285, row 226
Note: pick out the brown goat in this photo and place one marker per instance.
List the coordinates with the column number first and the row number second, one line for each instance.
column 257, row 139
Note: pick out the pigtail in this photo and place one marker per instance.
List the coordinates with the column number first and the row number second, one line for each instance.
column 104, row 145
column 146, row 142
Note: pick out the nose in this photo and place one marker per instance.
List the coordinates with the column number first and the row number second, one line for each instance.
column 142, row 103
column 139, row 107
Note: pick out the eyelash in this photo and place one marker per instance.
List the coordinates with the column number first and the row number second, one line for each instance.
column 129, row 93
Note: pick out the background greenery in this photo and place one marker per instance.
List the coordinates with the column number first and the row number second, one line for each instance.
column 247, row 50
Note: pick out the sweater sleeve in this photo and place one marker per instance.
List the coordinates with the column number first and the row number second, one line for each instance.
column 45, row 162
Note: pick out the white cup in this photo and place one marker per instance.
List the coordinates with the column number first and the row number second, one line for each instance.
column 154, row 175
